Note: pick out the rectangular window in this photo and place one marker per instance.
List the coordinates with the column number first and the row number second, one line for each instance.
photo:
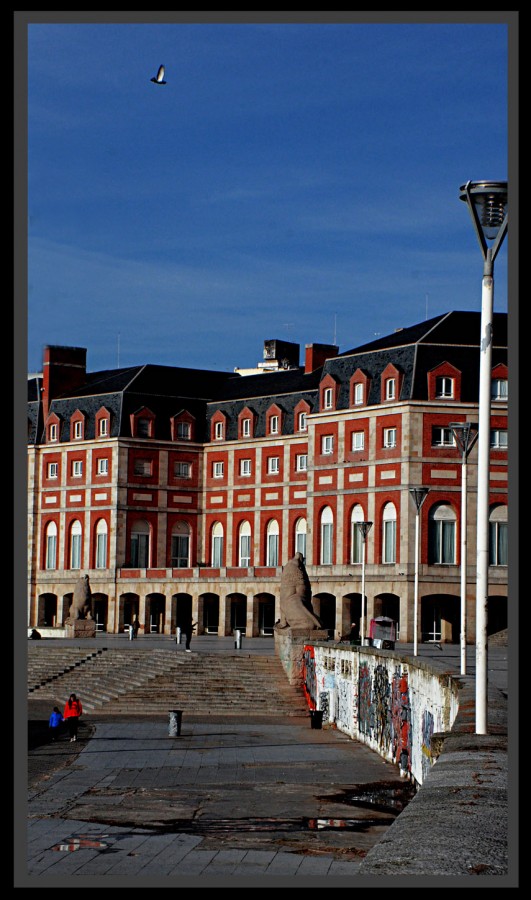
column 184, row 431
column 328, row 398
column 78, row 430
column 53, row 432
column 139, row 551
column 444, row 386
column 273, row 465
column 246, row 428
column 217, row 470
column 245, row 467
column 182, row 470
column 77, row 468
column 103, row 427
column 389, row 541
column 273, row 425
column 75, row 552
column 498, row 439
column 358, row 440
column 302, row 462
column 327, row 444
column 358, row 394
column 217, row 551
column 143, row 467
column 53, row 470
column 272, row 550
column 101, row 551
column 143, row 428
column 442, row 437
column 103, row 467
column 498, row 544
column 245, row 550
column 303, row 425
column 499, row 389
column 389, row 437
column 180, row 551
column 390, row 389
column 326, row 543
column 300, row 543
column 51, row 551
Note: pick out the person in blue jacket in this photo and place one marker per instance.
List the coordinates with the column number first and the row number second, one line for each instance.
column 56, row 720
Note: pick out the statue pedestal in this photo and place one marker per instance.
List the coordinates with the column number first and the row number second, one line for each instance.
column 289, row 647
column 80, row 628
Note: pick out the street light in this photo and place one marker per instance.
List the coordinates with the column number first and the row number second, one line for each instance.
column 465, row 440
column 418, row 495
column 487, row 204
column 363, row 528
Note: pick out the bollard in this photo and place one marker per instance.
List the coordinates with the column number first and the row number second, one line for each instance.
column 316, row 716
column 176, row 717
column 238, row 640
column 131, row 633
column 178, row 636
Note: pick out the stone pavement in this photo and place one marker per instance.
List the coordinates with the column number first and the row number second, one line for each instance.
column 237, row 802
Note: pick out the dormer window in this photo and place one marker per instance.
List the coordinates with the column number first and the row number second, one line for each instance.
column 103, row 428
column 143, row 423
column 444, row 387
column 303, row 422
column 358, row 394
column 499, row 389
column 246, row 428
column 273, row 425
column 78, row 430
column 184, row 431
column 218, row 431
column 143, row 427
column 328, row 398
column 53, row 432
column 390, row 389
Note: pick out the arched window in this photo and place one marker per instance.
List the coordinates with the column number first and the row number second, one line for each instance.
column 498, row 536
column 327, row 536
column 300, row 536
column 140, row 545
column 76, row 534
column 244, row 545
column 180, row 546
column 101, row 544
column 389, row 533
column 356, row 540
column 272, row 543
column 441, row 533
column 51, row 546
column 217, row 545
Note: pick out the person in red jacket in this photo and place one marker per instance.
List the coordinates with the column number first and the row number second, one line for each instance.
column 73, row 710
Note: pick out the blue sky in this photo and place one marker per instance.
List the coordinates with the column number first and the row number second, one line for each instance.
column 295, row 180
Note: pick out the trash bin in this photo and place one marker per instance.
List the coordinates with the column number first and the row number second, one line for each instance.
column 176, row 718
column 238, row 635
column 178, row 636
column 316, row 716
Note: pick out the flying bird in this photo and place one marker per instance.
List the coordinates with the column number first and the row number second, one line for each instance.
column 159, row 77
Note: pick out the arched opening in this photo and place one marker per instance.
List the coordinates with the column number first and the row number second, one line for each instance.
column 180, row 546
column 76, row 536
column 389, row 533
column 441, row 535
column 266, row 614
column 156, row 613
column 47, row 611
column 183, row 609
column 101, row 544
column 326, row 556
column 324, row 607
column 388, row 605
column 440, row 618
column 301, row 529
column 51, row 546
column 238, row 612
column 244, row 545
column 210, row 613
column 131, row 604
column 100, row 611
column 356, row 540
column 497, row 614
column 217, row 545
column 272, row 538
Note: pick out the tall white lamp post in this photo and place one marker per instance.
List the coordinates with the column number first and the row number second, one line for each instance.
column 418, row 495
column 465, row 440
column 487, row 204
column 363, row 528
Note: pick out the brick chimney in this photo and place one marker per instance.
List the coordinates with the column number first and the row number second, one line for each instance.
column 317, row 354
column 64, row 370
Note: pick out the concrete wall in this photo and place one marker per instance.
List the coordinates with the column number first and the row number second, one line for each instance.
column 393, row 704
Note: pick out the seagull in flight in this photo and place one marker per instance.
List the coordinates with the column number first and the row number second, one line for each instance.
column 159, row 77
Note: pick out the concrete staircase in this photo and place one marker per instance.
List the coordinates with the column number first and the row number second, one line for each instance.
column 138, row 682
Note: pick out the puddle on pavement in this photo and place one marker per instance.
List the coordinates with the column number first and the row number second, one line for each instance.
column 386, row 797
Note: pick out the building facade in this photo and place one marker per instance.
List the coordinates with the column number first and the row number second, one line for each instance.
column 185, row 491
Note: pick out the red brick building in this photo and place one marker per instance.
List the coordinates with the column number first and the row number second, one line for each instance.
column 181, row 490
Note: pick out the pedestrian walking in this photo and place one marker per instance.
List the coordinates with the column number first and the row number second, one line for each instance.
column 188, row 629
column 136, row 627
column 72, row 712
column 55, row 722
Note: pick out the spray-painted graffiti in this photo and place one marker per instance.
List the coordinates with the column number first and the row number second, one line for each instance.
column 364, row 700
column 401, row 721
column 381, row 690
column 324, row 705
column 309, row 680
column 427, row 733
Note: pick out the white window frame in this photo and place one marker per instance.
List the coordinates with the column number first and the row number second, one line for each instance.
column 184, row 431
column 52, row 432
column 498, row 439
column 218, row 431
column 499, row 390
column 389, row 534
column 390, row 388
column 102, row 466
column 359, row 393
column 303, row 421
column 103, row 427
column 244, row 545
column 356, row 540
column 442, row 532
column 358, row 441
column 101, row 544
column 302, row 462
column 327, row 537
column 389, row 437
column 53, row 470
column 51, row 546
column 444, row 387
column 217, row 545
column 327, row 444
column 218, row 470
column 301, row 529
column 442, row 436
column 76, row 536
column 246, row 428
column 273, row 424
column 77, row 468
column 245, row 468
column 78, row 430
column 328, row 398
column 498, row 537
column 273, row 465
column 273, row 533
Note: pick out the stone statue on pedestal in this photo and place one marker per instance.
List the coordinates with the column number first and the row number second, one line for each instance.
column 296, row 597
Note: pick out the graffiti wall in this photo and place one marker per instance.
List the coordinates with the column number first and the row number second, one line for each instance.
column 383, row 700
